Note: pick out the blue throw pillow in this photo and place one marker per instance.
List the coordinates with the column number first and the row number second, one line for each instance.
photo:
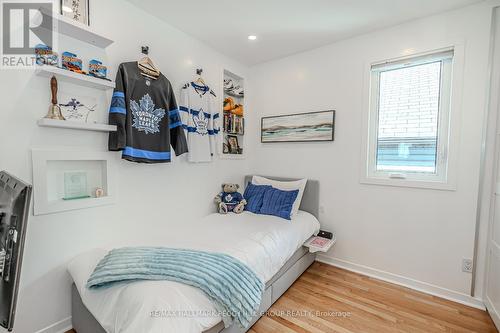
column 254, row 195
column 278, row 203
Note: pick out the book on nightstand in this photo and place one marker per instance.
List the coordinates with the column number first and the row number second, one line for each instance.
column 316, row 243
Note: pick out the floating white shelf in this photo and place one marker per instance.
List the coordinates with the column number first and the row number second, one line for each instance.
column 44, row 122
column 72, row 77
column 77, row 30
column 232, row 156
column 313, row 248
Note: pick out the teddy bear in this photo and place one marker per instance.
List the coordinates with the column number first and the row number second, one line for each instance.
column 230, row 200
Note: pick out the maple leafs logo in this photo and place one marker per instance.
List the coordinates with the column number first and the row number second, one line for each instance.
column 145, row 117
column 201, row 122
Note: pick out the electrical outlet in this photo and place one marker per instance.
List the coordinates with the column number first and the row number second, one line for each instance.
column 322, row 209
column 467, row 265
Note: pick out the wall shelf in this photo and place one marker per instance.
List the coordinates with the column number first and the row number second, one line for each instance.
column 73, row 29
column 44, row 122
column 232, row 156
column 72, row 77
column 233, row 125
column 49, row 173
column 327, row 246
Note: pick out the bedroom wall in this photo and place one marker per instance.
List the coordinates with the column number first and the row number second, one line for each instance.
column 416, row 237
column 152, row 199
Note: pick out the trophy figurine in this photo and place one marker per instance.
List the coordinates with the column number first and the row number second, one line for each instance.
column 54, row 109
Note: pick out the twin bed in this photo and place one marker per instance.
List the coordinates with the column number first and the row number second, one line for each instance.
column 268, row 245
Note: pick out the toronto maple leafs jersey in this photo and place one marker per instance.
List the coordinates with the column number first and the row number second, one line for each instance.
column 147, row 117
column 231, row 199
column 200, row 121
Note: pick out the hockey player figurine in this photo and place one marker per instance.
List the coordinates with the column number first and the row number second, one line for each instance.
column 230, row 200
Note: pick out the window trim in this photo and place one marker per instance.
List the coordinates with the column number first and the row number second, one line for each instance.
column 448, row 126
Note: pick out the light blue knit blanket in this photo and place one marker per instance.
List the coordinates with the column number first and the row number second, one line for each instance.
column 234, row 288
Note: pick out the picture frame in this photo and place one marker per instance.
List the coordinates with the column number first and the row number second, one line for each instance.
column 232, row 142
column 314, row 126
column 77, row 10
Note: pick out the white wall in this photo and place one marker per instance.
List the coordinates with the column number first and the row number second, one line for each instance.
column 414, row 233
column 152, row 199
column 413, row 236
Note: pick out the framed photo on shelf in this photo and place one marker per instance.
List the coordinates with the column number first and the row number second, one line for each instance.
column 77, row 10
column 232, row 142
column 299, row 127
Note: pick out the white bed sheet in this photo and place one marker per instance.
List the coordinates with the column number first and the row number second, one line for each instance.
column 262, row 242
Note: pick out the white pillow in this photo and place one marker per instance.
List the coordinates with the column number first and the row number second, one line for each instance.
column 285, row 186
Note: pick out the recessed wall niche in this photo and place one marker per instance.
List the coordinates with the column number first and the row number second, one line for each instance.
column 68, row 180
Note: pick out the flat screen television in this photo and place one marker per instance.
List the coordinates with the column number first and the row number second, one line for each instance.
column 15, row 197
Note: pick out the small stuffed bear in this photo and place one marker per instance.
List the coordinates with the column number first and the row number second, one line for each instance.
column 230, row 200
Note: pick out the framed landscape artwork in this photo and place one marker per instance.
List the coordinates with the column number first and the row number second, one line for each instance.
column 300, row 127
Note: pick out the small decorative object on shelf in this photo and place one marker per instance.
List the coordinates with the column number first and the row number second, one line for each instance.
column 232, row 142
column 232, row 88
column 45, row 55
column 99, row 192
column 54, row 109
column 75, row 109
column 234, row 124
column 72, row 63
column 97, row 69
column 77, row 10
column 75, row 185
column 320, row 244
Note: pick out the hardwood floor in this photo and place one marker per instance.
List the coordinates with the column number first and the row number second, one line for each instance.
column 332, row 300
column 326, row 299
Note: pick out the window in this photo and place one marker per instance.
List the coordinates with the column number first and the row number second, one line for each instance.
column 409, row 118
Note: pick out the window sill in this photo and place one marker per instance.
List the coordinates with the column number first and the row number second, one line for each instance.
column 423, row 184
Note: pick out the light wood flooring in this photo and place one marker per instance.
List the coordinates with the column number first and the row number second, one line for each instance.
column 326, row 299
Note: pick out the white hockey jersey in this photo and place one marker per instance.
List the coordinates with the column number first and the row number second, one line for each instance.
column 200, row 120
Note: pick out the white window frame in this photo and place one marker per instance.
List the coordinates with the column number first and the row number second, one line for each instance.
column 448, row 123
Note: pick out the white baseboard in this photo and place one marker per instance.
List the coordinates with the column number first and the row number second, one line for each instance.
column 494, row 314
column 404, row 281
column 61, row 326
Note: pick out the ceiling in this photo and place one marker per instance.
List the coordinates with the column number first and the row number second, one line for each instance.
column 285, row 27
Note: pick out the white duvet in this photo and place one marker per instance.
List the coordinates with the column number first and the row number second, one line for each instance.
column 262, row 242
